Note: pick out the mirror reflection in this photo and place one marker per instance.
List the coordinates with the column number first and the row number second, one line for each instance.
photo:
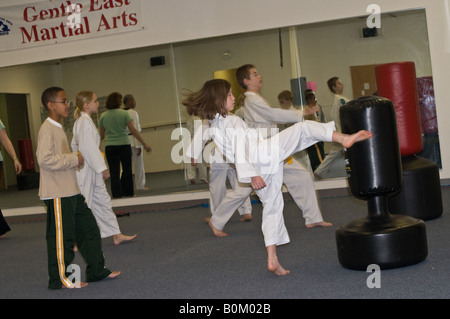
column 290, row 59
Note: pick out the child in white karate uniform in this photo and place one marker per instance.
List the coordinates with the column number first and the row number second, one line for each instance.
column 258, row 161
column 91, row 176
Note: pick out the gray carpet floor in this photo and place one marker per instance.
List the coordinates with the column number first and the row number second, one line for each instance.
column 175, row 256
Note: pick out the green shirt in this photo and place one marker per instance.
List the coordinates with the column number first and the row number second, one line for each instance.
column 115, row 124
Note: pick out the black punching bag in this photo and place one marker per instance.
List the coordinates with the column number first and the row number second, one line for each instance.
column 374, row 172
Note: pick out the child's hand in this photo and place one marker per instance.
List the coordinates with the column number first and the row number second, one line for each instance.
column 257, row 182
column 80, row 160
column 106, row 174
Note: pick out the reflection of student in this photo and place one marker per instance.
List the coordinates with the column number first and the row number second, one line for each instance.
column 259, row 114
column 264, row 170
column 113, row 127
column 191, row 168
column 336, row 151
column 137, row 157
column 6, row 142
column 69, row 220
column 91, row 176
column 315, row 152
column 220, row 171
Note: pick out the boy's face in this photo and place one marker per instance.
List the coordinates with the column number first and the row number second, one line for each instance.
column 285, row 103
column 339, row 87
column 59, row 106
column 254, row 83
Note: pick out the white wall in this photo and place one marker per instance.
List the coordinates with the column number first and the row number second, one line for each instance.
column 168, row 21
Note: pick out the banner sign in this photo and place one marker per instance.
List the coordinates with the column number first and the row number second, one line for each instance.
column 53, row 21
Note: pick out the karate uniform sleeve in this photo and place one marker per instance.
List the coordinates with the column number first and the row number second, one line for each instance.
column 257, row 110
column 243, row 161
column 88, row 148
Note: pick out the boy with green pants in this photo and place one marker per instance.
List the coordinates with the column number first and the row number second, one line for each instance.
column 69, row 220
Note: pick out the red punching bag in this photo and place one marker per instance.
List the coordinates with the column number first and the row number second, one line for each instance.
column 26, row 154
column 397, row 82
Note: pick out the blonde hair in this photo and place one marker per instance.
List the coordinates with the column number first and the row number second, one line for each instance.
column 82, row 98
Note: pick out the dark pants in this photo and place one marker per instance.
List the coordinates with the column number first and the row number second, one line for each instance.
column 70, row 221
column 4, row 228
column 121, row 185
column 316, row 155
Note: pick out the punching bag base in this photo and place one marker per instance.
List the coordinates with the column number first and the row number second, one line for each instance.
column 420, row 196
column 391, row 241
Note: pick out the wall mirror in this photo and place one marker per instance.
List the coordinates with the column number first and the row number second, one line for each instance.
column 155, row 76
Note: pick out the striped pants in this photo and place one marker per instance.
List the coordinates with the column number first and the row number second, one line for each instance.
column 70, row 221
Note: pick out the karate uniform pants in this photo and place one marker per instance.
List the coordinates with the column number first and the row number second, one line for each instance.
column 289, row 141
column 300, row 185
column 219, row 172
column 101, row 207
column 70, row 221
column 139, row 171
column 335, row 154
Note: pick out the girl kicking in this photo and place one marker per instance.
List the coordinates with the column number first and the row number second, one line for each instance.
column 257, row 160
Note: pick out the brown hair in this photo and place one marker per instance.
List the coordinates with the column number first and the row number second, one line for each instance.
column 332, row 83
column 113, row 101
column 285, row 95
column 209, row 100
column 243, row 72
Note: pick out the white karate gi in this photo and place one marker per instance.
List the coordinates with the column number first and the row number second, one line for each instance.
column 137, row 160
column 191, row 171
column 219, row 171
column 298, row 180
column 256, row 156
column 86, row 140
column 336, row 151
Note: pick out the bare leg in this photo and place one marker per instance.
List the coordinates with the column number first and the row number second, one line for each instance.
column 272, row 262
column 348, row 140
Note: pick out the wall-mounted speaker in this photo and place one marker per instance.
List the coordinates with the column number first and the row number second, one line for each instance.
column 157, row 60
column 369, row 32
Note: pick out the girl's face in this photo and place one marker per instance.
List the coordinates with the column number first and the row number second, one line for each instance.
column 229, row 105
column 92, row 107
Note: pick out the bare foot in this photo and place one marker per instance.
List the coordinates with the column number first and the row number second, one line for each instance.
column 275, row 267
column 272, row 262
column 114, row 274
column 78, row 284
column 319, row 224
column 349, row 140
column 143, row 189
column 120, row 238
column 246, row 218
column 3, row 236
column 217, row 232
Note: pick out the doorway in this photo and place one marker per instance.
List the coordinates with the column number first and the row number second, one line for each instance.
column 14, row 115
